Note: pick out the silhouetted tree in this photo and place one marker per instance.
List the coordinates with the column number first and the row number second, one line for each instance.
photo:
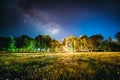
column 22, row 42
column 103, row 46
column 115, row 46
column 117, row 36
column 39, row 42
column 109, row 41
column 94, row 41
column 4, row 43
column 47, row 42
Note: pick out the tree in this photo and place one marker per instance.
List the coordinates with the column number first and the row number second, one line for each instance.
column 39, row 42
column 47, row 42
column 73, row 42
column 115, row 46
column 83, row 43
column 104, row 46
column 64, row 45
column 109, row 41
column 117, row 36
column 95, row 41
column 11, row 44
column 55, row 44
column 43, row 42
column 22, row 42
column 31, row 45
column 4, row 43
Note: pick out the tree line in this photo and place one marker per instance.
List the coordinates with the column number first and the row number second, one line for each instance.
column 44, row 43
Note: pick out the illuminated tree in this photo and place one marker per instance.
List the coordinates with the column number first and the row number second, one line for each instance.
column 31, row 45
column 11, row 44
column 83, row 43
column 55, row 45
column 73, row 42
column 63, row 45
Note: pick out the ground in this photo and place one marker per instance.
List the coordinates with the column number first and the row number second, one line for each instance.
column 60, row 66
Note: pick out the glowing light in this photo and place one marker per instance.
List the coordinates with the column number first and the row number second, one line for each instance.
column 55, row 31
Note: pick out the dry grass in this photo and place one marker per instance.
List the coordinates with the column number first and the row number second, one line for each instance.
column 60, row 66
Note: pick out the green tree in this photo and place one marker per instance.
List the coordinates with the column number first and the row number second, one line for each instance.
column 11, row 44
column 31, row 45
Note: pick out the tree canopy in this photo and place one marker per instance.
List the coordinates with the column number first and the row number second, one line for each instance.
column 45, row 43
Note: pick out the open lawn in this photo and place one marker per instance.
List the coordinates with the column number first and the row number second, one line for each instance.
column 60, row 66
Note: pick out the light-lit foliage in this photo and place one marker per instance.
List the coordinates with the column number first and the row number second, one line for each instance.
column 44, row 43
column 11, row 44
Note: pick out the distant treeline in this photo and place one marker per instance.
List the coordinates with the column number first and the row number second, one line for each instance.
column 44, row 43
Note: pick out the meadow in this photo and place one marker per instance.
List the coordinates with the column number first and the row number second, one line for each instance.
column 60, row 66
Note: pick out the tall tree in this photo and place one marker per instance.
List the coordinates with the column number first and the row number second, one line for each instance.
column 4, row 41
column 95, row 41
column 47, row 42
column 55, row 44
column 11, row 44
column 104, row 46
column 31, row 45
column 39, row 42
column 73, row 42
column 22, row 42
column 109, row 41
column 117, row 36
column 83, row 43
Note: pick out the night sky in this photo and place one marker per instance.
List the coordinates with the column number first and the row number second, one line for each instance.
column 59, row 18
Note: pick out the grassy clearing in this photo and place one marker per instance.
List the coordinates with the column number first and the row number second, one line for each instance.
column 60, row 66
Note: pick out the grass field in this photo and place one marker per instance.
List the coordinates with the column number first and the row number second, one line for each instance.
column 60, row 66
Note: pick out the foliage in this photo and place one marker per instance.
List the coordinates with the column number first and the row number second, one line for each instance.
column 95, row 41
column 117, row 36
column 83, row 42
column 44, row 43
column 39, row 42
column 73, row 42
column 55, row 45
column 11, row 44
column 4, row 43
column 47, row 42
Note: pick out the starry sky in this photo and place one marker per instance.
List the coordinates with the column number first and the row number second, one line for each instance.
column 59, row 18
